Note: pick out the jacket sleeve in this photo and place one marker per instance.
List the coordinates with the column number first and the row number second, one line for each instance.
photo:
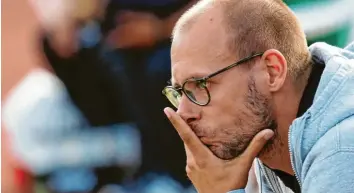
column 329, row 166
column 334, row 173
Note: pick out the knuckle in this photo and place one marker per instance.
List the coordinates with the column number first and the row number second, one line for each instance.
column 201, row 164
column 191, row 165
column 188, row 170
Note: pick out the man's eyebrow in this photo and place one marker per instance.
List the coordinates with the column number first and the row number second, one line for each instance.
column 194, row 75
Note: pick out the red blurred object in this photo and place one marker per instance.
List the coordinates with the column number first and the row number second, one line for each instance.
column 21, row 177
column 14, row 177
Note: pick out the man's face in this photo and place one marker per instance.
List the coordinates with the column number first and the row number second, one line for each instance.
column 240, row 103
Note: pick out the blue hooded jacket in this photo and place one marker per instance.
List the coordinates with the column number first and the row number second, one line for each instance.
column 321, row 141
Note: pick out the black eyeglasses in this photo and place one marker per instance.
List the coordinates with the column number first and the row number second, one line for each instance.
column 196, row 88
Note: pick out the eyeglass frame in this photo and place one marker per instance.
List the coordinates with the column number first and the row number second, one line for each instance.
column 204, row 79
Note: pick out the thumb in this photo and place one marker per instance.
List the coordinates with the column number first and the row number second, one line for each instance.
column 257, row 145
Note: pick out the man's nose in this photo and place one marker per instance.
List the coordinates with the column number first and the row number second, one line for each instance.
column 188, row 110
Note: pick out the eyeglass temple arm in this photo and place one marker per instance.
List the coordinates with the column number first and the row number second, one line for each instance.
column 233, row 65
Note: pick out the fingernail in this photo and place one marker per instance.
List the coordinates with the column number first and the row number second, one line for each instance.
column 167, row 113
column 268, row 135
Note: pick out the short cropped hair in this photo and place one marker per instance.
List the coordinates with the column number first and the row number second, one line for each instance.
column 256, row 26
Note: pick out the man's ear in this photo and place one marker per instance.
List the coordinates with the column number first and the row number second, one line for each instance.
column 276, row 67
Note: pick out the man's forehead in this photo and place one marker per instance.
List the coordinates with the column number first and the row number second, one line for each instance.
column 192, row 64
column 182, row 72
column 200, row 49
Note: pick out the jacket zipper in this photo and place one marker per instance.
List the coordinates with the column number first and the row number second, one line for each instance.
column 268, row 175
column 291, row 158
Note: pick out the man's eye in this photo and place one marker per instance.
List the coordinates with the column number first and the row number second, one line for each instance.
column 202, row 84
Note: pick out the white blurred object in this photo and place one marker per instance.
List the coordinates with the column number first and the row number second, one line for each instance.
column 37, row 111
column 60, row 18
column 35, row 86
column 54, row 13
column 49, row 132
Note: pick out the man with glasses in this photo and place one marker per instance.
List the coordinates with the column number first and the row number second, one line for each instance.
column 246, row 85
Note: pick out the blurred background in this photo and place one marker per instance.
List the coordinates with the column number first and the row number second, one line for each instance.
column 81, row 92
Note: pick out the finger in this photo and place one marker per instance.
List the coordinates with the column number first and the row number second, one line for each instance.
column 190, row 159
column 190, row 162
column 257, row 145
column 194, row 145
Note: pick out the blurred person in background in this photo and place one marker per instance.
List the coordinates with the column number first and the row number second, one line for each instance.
column 48, row 135
column 137, row 52
column 81, row 45
column 128, row 49
column 260, row 92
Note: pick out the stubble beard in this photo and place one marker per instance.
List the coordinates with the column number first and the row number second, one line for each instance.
column 261, row 117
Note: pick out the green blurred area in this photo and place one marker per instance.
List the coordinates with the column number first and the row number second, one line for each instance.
column 304, row 2
column 339, row 36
